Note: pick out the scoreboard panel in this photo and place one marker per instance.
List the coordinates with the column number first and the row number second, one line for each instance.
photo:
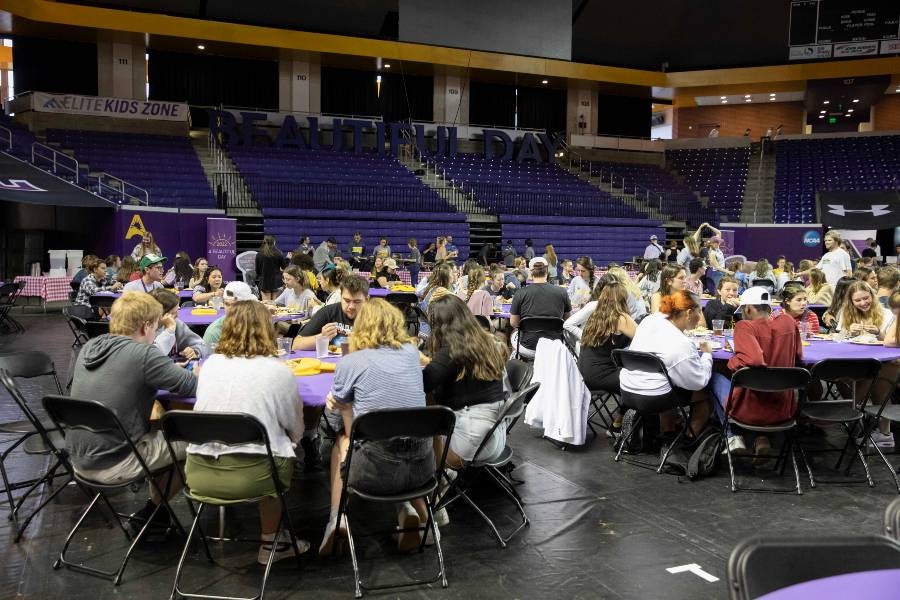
column 843, row 28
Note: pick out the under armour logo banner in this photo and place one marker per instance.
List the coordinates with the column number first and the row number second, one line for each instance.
column 860, row 210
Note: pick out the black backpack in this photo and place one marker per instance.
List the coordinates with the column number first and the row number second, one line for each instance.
column 697, row 459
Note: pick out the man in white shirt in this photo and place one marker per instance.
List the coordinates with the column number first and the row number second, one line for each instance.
column 653, row 250
column 152, row 271
column 835, row 263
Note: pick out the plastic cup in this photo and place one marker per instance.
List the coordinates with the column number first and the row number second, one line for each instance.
column 345, row 348
column 321, row 346
column 718, row 326
column 285, row 345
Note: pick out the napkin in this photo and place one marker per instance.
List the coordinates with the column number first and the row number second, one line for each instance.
column 204, row 311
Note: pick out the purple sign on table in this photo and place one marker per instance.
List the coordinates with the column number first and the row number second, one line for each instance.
column 221, row 245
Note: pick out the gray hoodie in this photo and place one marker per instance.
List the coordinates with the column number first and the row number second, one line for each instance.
column 125, row 376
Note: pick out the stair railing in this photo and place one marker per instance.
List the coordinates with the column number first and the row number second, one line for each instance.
column 126, row 191
column 6, row 137
column 52, row 159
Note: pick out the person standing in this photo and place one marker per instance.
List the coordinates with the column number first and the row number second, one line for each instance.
column 550, row 257
column 653, row 249
column 147, row 246
column 835, row 263
column 509, row 254
column 414, row 261
column 452, row 250
column 269, row 261
column 529, row 250
column 324, row 254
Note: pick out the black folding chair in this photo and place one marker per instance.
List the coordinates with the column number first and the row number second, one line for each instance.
column 77, row 325
column 9, row 294
column 70, row 414
column 96, row 328
column 886, row 409
column 604, row 405
column 101, row 305
column 892, row 520
column 846, row 411
column 519, row 373
column 75, row 288
column 545, row 327
column 32, row 435
column 382, row 425
column 770, row 379
column 408, row 303
column 230, row 429
column 763, row 564
column 644, row 362
column 471, row 471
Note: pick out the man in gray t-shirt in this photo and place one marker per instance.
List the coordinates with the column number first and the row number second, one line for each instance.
column 324, row 253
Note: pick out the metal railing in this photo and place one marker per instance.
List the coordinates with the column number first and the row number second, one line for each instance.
column 231, row 190
column 54, row 161
column 128, row 193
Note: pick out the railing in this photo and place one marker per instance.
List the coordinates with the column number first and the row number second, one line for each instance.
column 55, row 161
column 6, row 137
column 231, row 190
column 110, row 185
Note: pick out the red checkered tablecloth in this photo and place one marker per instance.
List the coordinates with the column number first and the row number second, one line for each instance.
column 48, row 289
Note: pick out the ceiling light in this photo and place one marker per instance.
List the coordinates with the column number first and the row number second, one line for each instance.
column 821, row 116
column 827, row 102
column 724, row 101
column 847, row 115
column 772, row 94
column 822, row 112
column 387, row 65
column 746, row 95
column 849, row 110
column 772, row 99
column 201, row 47
column 749, row 100
column 544, row 81
column 724, row 98
column 855, row 100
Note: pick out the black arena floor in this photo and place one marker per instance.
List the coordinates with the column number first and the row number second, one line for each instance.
column 599, row 529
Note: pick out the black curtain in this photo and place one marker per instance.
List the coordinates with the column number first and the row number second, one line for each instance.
column 352, row 92
column 542, row 108
column 58, row 66
column 492, row 104
column 621, row 116
column 213, row 80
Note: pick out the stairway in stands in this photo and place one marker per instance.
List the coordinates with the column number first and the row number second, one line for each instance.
column 759, row 193
column 249, row 232
column 484, row 229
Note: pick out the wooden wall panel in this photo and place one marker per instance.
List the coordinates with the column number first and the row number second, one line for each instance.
column 887, row 113
column 733, row 119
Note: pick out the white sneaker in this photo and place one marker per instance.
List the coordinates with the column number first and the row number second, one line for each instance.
column 408, row 518
column 283, row 549
column 736, row 445
column 883, row 440
column 441, row 518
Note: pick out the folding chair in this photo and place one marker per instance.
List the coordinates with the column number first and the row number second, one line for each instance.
column 382, row 425
column 101, row 305
column 600, row 408
column 408, row 303
column 33, row 436
column 892, row 520
column 77, row 326
column 230, row 429
column 545, row 327
column 96, row 328
column 874, row 413
column 846, row 411
column 467, row 476
column 645, row 362
column 9, row 294
column 71, row 414
column 763, row 564
column 770, row 379
column 519, row 373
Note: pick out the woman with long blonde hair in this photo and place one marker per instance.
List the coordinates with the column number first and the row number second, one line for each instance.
column 606, row 329
column 245, row 377
column 636, row 305
column 382, row 371
column 552, row 261
column 146, row 246
column 861, row 312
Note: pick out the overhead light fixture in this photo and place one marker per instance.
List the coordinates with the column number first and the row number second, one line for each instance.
column 772, row 99
column 724, row 101
column 201, row 47
column 849, row 110
column 821, row 116
column 387, row 65
column 826, row 102
column 749, row 100
column 855, row 100
column 725, row 98
column 772, row 94
column 822, row 112
column 544, row 81
column 746, row 95
column 847, row 115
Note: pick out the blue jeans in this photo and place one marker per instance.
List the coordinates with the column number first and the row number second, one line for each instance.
column 719, row 387
column 413, row 274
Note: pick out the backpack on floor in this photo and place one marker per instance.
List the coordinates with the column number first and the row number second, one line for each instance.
column 697, row 459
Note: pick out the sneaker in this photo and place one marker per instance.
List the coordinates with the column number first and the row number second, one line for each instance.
column 283, row 549
column 736, row 445
column 441, row 518
column 331, row 534
column 883, row 440
column 312, row 454
column 161, row 523
column 408, row 519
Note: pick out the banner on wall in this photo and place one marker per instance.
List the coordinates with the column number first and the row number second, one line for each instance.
column 796, row 242
column 73, row 104
column 860, row 210
column 221, row 245
column 172, row 231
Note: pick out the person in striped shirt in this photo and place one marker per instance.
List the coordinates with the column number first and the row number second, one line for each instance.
column 94, row 282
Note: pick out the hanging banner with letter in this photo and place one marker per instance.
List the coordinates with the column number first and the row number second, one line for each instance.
column 72, row 104
column 221, row 245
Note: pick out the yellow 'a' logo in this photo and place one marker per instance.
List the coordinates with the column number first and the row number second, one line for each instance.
column 136, row 228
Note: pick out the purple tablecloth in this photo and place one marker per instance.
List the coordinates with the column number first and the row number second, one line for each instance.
column 192, row 320
column 378, row 292
column 822, row 349
column 312, row 388
column 865, row 584
column 183, row 294
column 813, row 307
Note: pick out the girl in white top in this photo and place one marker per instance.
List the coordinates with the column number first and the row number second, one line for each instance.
column 296, row 290
column 862, row 314
column 330, row 281
column 244, row 376
column 580, row 287
column 662, row 334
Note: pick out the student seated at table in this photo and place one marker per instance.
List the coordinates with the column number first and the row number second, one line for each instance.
column 566, row 272
column 888, row 280
column 173, row 337
column 696, row 274
column 244, row 376
column 862, row 313
column 465, row 373
column 723, row 307
column 211, row 286
column 637, row 308
column 439, row 283
column 123, row 370
column 868, row 275
column 335, row 321
column 236, row 291
column 95, row 282
column 199, row 274
column 382, row 371
column 663, row 334
column 574, row 323
column 759, row 341
column 113, row 262
column 818, row 291
column 296, row 292
column 151, row 269
column 498, row 286
column 605, row 331
column 127, row 268
column 830, row 317
column 538, row 299
column 648, row 281
column 385, row 276
column 580, row 287
column 330, row 282
column 181, row 272
column 763, row 271
column 84, row 271
column 793, row 303
column 475, row 296
column 671, row 281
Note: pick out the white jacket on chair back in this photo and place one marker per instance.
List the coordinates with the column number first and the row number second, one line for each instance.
column 560, row 406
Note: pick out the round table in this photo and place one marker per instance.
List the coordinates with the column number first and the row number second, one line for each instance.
column 312, row 388
column 864, row 584
column 378, row 292
column 818, row 350
column 183, row 294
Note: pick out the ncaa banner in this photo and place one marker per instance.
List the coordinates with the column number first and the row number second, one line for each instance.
column 860, row 210
column 97, row 106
